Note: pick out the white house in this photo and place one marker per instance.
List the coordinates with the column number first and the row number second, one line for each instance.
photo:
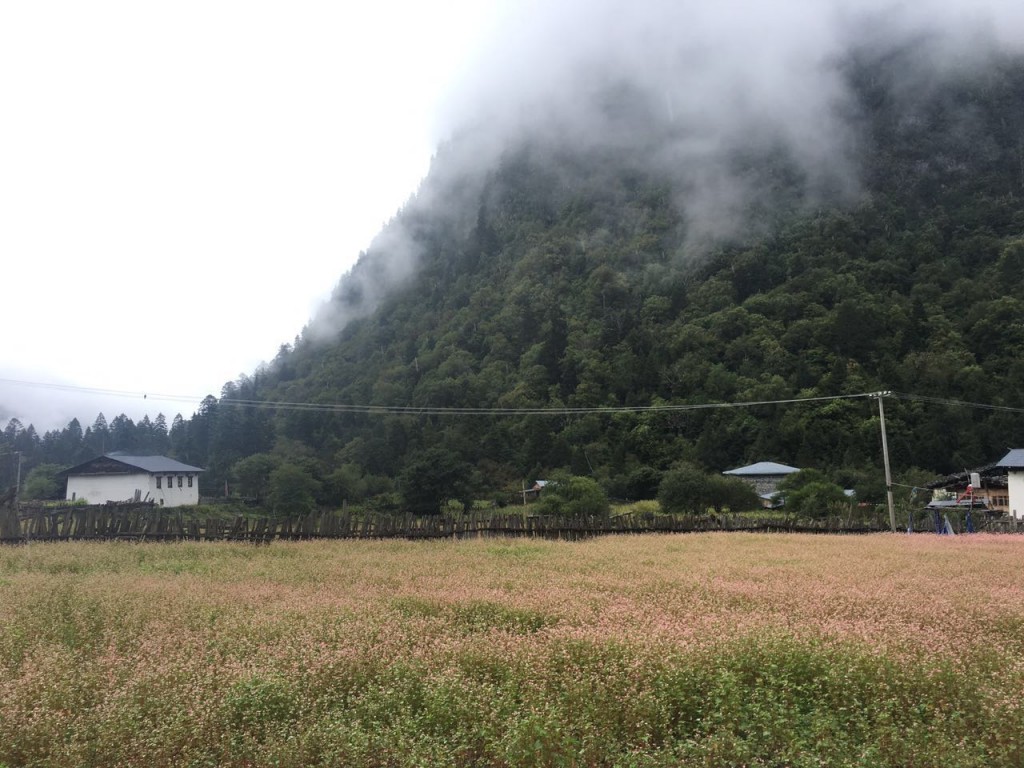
column 115, row 477
column 1013, row 463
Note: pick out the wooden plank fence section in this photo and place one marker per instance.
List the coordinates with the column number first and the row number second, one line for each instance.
column 147, row 522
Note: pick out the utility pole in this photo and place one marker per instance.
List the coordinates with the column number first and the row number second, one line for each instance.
column 885, row 459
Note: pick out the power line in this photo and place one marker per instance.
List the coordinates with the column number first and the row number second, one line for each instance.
column 101, row 391
column 413, row 410
column 956, row 403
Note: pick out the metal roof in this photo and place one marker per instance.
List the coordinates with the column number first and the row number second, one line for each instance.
column 152, row 464
column 1013, row 460
column 762, row 468
column 992, row 475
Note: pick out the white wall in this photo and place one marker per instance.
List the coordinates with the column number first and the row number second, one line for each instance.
column 169, row 494
column 1016, row 488
column 99, row 489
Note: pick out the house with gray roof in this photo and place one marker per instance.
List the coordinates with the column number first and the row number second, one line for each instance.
column 1013, row 463
column 119, row 477
column 765, row 477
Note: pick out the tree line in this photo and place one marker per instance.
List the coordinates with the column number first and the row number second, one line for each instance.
column 566, row 277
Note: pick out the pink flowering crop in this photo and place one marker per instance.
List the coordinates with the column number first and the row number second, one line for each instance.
column 171, row 654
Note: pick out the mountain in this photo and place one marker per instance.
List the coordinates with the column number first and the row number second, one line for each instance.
column 569, row 274
column 647, row 261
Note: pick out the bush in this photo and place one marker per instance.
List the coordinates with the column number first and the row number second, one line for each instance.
column 809, row 493
column 643, row 483
column 574, row 497
column 432, row 478
column 253, row 474
column 732, row 493
column 690, row 490
column 44, row 483
column 293, row 490
column 682, row 490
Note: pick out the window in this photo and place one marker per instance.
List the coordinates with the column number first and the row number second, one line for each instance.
column 170, row 481
column 179, row 481
column 190, row 481
column 158, row 479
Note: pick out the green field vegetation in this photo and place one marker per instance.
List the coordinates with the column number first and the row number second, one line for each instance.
column 629, row 651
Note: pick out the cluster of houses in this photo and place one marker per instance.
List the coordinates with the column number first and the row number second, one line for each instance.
column 169, row 483
column 998, row 487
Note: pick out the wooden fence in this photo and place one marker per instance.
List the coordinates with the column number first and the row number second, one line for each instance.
column 146, row 522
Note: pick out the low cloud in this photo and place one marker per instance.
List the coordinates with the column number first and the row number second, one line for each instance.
column 696, row 85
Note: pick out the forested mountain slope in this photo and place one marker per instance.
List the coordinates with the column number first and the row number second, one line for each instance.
column 565, row 276
column 596, row 273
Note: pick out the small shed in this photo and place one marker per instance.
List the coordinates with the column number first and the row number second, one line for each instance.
column 533, row 492
column 1013, row 463
column 118, row 477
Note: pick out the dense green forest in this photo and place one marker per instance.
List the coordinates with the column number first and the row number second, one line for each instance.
column 567, row 276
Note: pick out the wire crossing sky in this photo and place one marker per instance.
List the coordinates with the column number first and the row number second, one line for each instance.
column 413, row 410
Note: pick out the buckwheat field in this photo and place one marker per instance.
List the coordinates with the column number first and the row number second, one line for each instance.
column 719, row 649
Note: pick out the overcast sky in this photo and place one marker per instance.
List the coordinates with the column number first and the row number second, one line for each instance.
column 183, row 184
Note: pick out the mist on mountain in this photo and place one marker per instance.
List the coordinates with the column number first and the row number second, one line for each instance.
column 745, row 109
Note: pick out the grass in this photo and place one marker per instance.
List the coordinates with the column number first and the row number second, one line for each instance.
column 707, row 650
